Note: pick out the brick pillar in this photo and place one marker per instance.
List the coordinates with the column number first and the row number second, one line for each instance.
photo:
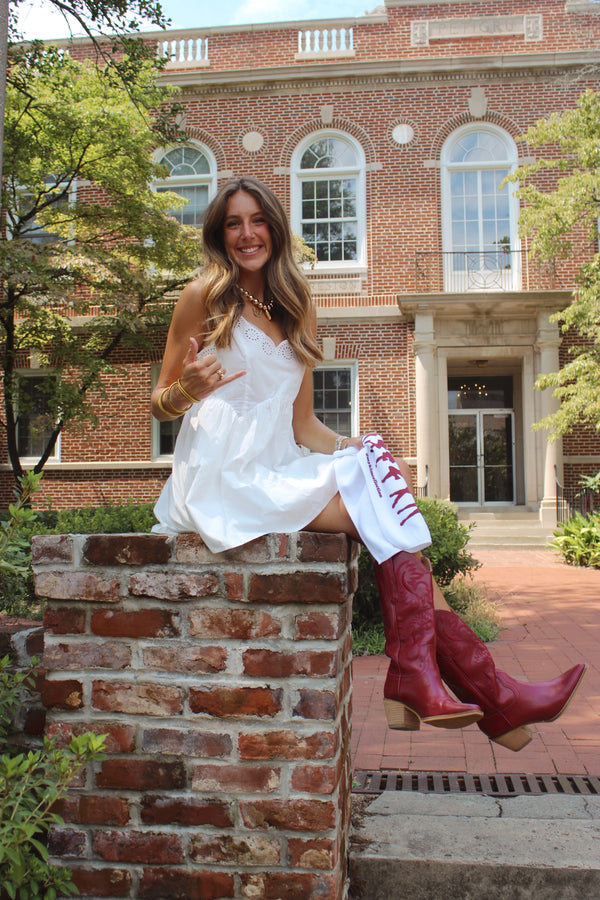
column 223, row 683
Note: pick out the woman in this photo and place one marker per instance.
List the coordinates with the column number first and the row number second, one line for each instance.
column 238, row 366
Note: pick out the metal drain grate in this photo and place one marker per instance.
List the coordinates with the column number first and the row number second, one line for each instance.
column 378, row 782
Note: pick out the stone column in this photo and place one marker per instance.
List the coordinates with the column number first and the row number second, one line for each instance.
column 223, row 684
column 426, row 395
column 548, row 342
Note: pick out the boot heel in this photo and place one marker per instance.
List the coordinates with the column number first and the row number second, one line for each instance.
column 400, row 717
column 516, row 739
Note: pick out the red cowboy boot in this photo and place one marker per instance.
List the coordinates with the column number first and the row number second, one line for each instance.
column 509, row 706
column 413, row 691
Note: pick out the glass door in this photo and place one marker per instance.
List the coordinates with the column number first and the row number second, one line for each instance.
column 481, row 444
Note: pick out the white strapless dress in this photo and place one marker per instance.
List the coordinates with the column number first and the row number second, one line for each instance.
column 237, row 471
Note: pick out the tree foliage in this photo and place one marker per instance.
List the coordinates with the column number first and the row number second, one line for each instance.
column 90, row 251
column 561, row 194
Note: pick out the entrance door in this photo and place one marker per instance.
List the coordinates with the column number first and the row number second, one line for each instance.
column 481, row 444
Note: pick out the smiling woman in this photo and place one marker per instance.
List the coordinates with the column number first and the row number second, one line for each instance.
column 238, row 367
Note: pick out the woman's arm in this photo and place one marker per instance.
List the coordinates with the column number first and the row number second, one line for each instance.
column 183, row 378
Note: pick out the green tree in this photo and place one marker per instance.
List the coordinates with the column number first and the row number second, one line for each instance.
column 90, row 251
column 561, row 193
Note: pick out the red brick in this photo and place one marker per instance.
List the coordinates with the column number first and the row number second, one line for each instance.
column 287, row 744
column 315, row 779
column 288, row 815
column 315, row 547
column 104, row 882
column 274, row 664
column 321, row 626
column 172, row 586
column 192, row 549
column 312, row 853
column 87, row 655
column 128, row 550
column 76, row 586
column 119, row 738
column 93, row 810
column 141, row 775
column 188, row 811
column 230, row 702
column 49, row 548
column 138, row 846
column 315, row 704
column 291, row 886
column 181, row 658
column 66, row 842
column 297, row 587
column 151, row 623
column 243, row 624
column 34, row 642
column 64, row 620
column 62, row 694
column 234, row 585
column 235, row 779
column 186, row 742
column 224, row 849
column 137, row 699
column 181, row 884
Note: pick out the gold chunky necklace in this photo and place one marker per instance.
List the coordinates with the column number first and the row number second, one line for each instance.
column 260, row 306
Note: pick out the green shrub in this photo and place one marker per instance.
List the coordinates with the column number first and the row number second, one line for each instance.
column 113, row 518
column 448, row 554
column 578, row 540
column 448, row 551
column 30, row 784
column 16, row 578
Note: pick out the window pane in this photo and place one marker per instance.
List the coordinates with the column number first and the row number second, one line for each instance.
column 332, row 398
column 167, row 436
column 34, row 424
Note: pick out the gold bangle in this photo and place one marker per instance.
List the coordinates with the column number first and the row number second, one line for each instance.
column 167, row 399
column 165, row 412
column 184, row 393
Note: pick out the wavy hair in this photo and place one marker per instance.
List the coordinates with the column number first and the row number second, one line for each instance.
column 284, row 279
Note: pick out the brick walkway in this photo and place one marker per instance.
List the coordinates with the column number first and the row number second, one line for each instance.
column 550, row 619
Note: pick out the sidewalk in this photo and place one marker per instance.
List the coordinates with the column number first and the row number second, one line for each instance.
column 550, row 619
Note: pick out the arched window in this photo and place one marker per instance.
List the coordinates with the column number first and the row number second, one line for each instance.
column 479, row 219
column 192, row 174
column 328, row 199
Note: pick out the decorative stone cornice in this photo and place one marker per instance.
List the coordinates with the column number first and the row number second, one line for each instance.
column 399, row 71
column 492, row 305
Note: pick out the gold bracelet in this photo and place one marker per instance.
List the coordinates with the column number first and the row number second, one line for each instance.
column 184, row 393
column 340, row 443
column 165, row 412
column 179, row 412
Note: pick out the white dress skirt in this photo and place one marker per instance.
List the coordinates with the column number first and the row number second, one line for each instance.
column 238, row 472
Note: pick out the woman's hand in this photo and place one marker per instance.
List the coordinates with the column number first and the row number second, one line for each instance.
column 200, row 377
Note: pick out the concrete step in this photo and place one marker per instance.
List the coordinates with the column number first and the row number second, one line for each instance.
column 505, row 528
column 411, row 846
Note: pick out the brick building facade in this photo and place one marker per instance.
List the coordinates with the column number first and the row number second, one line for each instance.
column 386, row 137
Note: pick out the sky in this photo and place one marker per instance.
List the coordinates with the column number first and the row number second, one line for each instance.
column 39, row 20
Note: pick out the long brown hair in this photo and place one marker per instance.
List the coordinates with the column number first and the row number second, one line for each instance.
column 284, row 279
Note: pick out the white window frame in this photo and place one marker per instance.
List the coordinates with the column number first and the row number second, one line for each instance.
column 38, row 373
column 156, row 455
column 36, row 234
column 511, row 278
column 352, row 366
column 299, row 175
column 172, row 183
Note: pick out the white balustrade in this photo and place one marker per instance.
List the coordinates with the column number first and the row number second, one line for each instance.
column 326, row 40
column 185, row 51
